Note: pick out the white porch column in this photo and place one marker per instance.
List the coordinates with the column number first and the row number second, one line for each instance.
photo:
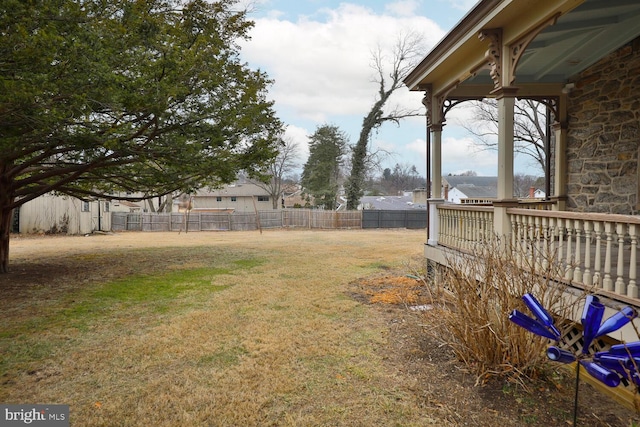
column 506, row 103
column 436, row 160
column 434, row 220
column 560, row 156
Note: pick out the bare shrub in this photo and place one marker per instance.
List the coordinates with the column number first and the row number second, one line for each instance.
column 479, row 290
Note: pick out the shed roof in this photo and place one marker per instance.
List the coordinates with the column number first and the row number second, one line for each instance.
column 390, row 203
column 477, row 181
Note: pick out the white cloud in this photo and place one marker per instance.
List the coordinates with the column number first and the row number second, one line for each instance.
column 418, row 146
column 458, row 155
column 403, row 7
column 301, row 137
column 322, row 67
column 461, row 155
column 464, row 5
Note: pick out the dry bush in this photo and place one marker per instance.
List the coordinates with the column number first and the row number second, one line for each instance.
column 479, row 290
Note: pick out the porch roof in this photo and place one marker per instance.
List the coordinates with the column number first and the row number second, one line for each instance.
column 584, row 31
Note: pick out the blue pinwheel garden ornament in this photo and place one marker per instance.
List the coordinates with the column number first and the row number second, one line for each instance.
column 619, row 364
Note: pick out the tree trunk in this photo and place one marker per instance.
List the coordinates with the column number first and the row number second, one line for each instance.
column 5, row 229
column 358, row 169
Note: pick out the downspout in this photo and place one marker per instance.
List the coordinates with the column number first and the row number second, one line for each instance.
column 547, row 155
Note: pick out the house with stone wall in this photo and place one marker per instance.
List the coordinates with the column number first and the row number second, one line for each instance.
column 603, row 137
column 581, row 60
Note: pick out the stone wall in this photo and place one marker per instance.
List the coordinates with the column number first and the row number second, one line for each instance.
column 604, row 135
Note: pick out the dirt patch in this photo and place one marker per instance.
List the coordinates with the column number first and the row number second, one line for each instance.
column 442, row 383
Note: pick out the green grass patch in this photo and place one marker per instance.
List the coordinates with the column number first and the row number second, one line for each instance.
column 224, row 358
column 133, row 296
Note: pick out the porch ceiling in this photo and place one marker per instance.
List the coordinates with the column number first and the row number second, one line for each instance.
column 581, row 36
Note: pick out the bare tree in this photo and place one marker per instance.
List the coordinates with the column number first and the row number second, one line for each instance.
column 283, row 164
column 522, row 184
column 406, row 52
column 402, row 177
column 529, row 127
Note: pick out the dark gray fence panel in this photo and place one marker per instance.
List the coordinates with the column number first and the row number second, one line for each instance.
column 370, row 219
column 416, row 219
column 394, row 219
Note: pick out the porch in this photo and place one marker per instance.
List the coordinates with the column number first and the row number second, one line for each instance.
column 596, row 252
column 579, row 59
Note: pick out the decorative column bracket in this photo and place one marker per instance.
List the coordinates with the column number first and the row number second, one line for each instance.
column 517, row 48
column 493, row 55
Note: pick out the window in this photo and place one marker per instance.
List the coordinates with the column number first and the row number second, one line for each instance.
column 219, row 199
column 263, row 198
column 234, row 199
column 107, row 206
column 85, row 207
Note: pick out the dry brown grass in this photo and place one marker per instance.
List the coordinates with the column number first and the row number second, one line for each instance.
column 246, row 329
column 480, row 291
column 270, row 339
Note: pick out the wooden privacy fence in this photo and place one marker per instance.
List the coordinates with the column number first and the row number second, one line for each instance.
column 302, row 218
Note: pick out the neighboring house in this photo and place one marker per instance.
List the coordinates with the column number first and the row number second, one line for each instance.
column 581, row 58
column 537, row 194
column 409, row 200
column 239, row 197
column 470, row 189
column 477, row 189
column 294, row 198
column 64, row 214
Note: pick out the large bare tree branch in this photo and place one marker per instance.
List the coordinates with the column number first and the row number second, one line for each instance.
column 529, row 127
column 407, row 50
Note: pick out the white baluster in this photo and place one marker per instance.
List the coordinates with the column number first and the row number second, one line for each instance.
column 577, row 271
column 514, row 236
column 460, row 231
column 607, row 283
column 466, row 236
column 632, row 289
column 587, row 279
column 560, row 231
column 538, row 236
column 447, row 226
column 546, row 243
column 568, row 272
column 620, row 285
column 597, row 276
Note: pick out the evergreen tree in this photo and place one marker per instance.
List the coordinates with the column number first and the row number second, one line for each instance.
column 138, row 96
column 322, row 171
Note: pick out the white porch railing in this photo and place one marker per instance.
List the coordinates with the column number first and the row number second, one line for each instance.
column 597, row 252
column 462, row 226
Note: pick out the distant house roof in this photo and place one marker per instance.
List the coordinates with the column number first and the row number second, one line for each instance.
column 473, row 187
column 390, row 203
column 478, row 181
column 237, row 190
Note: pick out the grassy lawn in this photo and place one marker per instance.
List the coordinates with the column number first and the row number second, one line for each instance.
column 224, row 329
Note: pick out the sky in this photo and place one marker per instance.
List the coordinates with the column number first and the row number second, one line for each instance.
column 319, row 54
